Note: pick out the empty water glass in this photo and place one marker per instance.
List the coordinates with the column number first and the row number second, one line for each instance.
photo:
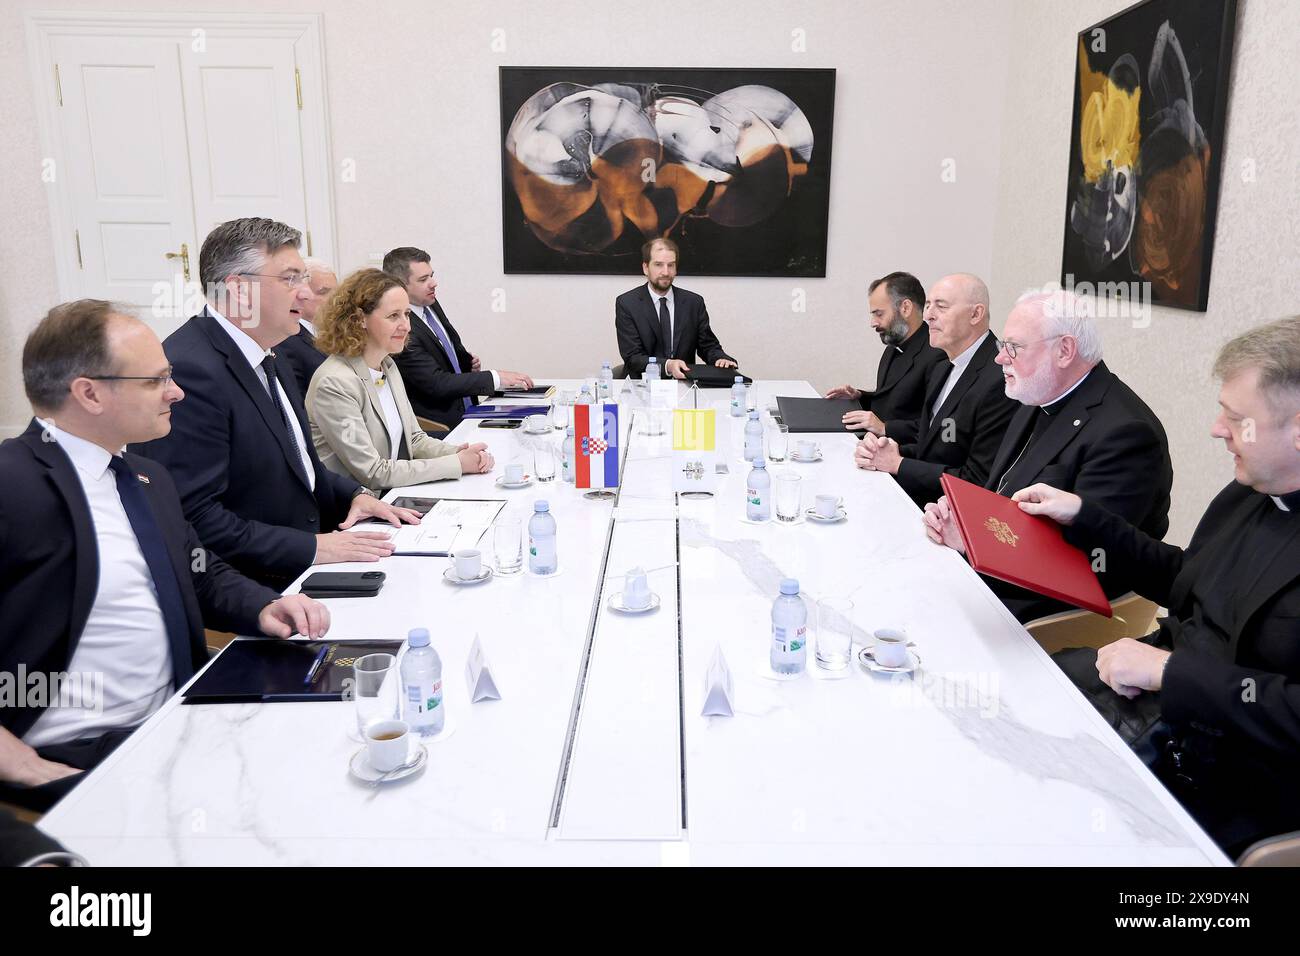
column 544, row 463
column 373, row 690
column 778, row 442
column 834, row 633
column 788, row 497
column 507, row 545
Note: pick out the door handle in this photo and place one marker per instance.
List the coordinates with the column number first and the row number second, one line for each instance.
column 184, row 256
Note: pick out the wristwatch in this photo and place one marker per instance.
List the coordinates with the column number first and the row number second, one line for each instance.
column 363, row 490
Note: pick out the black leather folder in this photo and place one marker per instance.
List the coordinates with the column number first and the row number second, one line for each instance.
column 265, row 669
column 710, row 376
column 802, row 415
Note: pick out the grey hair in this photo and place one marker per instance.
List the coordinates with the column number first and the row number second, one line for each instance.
column 1274, row 350
column 1067, row 313
column 312, row 264
column 242, row 245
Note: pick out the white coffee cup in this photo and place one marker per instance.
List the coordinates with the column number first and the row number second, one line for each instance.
column 890, row 649
column 536, row 424
column 636, row 590
column 514, row 474
column 806, row 448
column 388, row 743
column 468, row 562
column 828, row 506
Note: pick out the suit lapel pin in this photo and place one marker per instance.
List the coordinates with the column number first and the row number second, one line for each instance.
column 1076, row 423
column 143, row 479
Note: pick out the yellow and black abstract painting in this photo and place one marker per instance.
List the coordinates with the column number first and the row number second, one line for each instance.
column 1146, row 144
column 732, row 164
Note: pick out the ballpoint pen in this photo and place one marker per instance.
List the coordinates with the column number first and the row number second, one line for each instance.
column 315, row 666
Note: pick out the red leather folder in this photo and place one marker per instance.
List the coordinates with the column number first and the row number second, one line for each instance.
column 1027, row 550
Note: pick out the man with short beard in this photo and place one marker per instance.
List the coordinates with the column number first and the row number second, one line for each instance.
column 897, row 302
column 1079, row 428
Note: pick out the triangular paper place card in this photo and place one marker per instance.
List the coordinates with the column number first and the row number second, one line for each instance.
column 718, row 688
column 479, row 676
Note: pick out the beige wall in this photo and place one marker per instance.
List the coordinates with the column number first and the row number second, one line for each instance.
column 413, row 99
column 1255, row 276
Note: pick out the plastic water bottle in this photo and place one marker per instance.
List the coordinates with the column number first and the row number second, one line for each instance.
column 542, row 558
column 584, row 397
column 789, row 630
column 753, row 437
column 568, row 471
column 421, row 674
column 758, row 488
column 605, row 389
column 738, row 398
column 652, row 370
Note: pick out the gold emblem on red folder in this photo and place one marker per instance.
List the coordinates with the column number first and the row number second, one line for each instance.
column 1002, row 531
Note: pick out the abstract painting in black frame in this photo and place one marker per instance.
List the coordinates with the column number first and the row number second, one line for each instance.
column 1146, row 147
column 733, row 164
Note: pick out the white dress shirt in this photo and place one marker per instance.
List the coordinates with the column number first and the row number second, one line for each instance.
column 655, row 296
column 429, row 317
column 256, row 355
column 958, row 366
column 125, row 638
column 392, row 417
column 308, row 326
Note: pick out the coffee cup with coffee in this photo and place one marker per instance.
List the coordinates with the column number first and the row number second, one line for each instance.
column 890, row 648
column 387, row 744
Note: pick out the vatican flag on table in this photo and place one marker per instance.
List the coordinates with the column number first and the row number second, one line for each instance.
column 595, row 446
column 695, row 450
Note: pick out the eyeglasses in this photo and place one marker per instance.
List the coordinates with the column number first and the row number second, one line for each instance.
column 292, row 280
column 162, row 381
column 1012, row 348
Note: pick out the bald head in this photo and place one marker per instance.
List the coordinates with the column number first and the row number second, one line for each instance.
column 321, row 283
column 957, row 312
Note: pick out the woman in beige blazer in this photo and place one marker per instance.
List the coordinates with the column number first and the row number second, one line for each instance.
column 361, row 420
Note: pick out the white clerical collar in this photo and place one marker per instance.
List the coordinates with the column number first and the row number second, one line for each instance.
column 245, row 343
column 1062, row 396
column 85, row 455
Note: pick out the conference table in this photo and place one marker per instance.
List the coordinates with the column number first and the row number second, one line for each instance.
column 597, row 751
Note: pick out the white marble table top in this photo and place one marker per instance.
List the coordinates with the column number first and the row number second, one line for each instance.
column 597, row 753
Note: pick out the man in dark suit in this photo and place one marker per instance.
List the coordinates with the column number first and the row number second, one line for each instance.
column 896, row 303
column 104, row 587
column 1078, row 428
column 663, row 321
column 966, row 409
column 240, row 449
column 443, row 378
column 299, row 350
column 1221, row 676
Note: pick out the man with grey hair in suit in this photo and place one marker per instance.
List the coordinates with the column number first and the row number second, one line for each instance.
column 1079, row 428
column 299, row 350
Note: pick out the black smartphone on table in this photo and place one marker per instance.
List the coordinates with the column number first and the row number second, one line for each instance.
column 343, row 584
column 500, row 423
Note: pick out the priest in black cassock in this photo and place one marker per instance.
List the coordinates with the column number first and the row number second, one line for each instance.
column 1211, row 700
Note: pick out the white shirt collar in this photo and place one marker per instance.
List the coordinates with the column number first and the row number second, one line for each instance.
column 1279, row 502
column 247, row 347
column 86, row 456
column 964, row 359
column 656, row 295
column 308, row 326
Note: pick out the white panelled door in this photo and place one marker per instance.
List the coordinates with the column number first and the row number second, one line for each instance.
column 244, row 138
column 126, row 166
column 161, row 126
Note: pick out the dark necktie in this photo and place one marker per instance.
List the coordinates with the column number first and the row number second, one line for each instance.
column 272, row 383
column 1042, row 420
column 447, row 347
column 665, row 329
column 149, row 536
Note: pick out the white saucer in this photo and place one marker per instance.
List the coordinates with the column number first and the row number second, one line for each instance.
column 541, row 431
column 795, row 456
column 616, row 604
column 524, row 483
column 360, row 767
column 451, row 577
column 814, row 515
column 868, row 660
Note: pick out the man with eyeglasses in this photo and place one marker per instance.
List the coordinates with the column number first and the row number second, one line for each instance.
column 966, row 410
column 240, row 447
column 105, row 588
column 1079, row 428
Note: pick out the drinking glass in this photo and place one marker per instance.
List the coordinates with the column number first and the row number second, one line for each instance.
column 507, row 548
column 778, row 442
column 544, row 463
column 834, row 633
column 788, row 498
column 374, row 689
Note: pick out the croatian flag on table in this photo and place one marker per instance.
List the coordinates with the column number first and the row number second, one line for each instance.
column 595, row 446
